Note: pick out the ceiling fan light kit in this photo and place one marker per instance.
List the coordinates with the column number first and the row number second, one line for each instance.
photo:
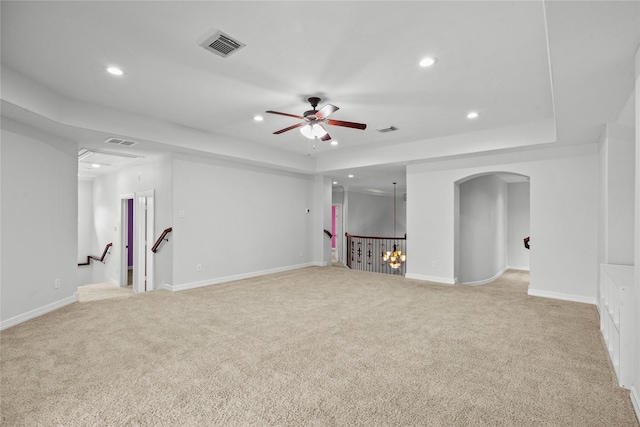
column 314, row 120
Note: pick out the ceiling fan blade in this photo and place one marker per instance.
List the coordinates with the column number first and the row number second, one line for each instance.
column 285, row 114
column 352, row 125
column 326, row 111
column 278, row 132
column 326, row 137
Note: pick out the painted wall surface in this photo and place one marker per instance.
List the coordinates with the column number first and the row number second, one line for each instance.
column 518, row 219
column 156, row 174
column 372, row 215
column 85, row 230
column 616, row 194
column 563, row 256
column 39, row 222
column 483, row 229
column 240, row 220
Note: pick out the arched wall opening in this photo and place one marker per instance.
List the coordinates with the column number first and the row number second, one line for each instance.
column 492, row 217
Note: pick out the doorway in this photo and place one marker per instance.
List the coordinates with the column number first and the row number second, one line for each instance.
column 336, row 231
column 492, row 219
column 136, row 237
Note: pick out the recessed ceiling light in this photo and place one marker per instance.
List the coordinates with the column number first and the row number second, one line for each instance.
column 115, row 71
column 334, row 142
column 350, row 176
column 472, row 115
column 258, row 118
column 428, row 61
column 95, row 165
column 335, row 182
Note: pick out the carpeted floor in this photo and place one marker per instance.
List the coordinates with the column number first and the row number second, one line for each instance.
column 100, row 291
column 315, row 347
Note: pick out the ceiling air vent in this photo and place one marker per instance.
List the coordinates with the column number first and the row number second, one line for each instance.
column 221, row 44
column 117, row 141
column 388, row 129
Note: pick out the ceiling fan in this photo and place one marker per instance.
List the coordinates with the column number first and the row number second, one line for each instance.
column 313, row 121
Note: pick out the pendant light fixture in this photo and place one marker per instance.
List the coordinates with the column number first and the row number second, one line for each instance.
column 394, row 258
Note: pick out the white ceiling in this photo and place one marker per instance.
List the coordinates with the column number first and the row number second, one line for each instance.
column 537, row 72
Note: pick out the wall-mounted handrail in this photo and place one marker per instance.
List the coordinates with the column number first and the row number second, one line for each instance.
column 101, row 259
column 161, row 238
column 328, row 233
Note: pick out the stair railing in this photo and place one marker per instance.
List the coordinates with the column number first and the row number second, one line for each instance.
column 101, row 259
column 365, row 253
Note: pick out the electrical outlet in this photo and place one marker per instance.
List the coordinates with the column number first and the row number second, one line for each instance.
column 198, row 267
column 181, row 213
column 300, row 254
column 56, row 283
column 434, row 264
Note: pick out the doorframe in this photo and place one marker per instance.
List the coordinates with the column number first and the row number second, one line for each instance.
column 124, row 238
column 143, row 238
column 339, row 234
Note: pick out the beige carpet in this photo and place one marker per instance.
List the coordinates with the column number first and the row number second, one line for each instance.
column 101, row 291
column 315, row 347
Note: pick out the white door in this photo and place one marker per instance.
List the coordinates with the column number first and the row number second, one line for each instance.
column 143, row 236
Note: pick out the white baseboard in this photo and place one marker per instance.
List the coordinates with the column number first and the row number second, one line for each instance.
column 482, row 282
column 635, row 401
column 441, row 280
column 114, row 282
column 38, row 311
column 515, row 267
column 164, row 286
column 564, row 297
column 218, row 280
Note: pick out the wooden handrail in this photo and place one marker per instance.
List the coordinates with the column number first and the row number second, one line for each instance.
column 161, row 238
column 101, row 259
column 377, row 237
column 328, row 233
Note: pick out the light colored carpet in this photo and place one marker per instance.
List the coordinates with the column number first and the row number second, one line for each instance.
column 101, row 291
column 320, row 346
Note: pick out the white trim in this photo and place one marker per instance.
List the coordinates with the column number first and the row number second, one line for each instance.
column 564, row 297
column 38, row 311
column 219, row 280
column 483, row 282
column 164, row 286
column 114, row 282
column 635, row 401
column 441, row 280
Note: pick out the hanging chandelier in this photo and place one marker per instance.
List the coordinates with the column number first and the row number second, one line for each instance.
column 394, row 258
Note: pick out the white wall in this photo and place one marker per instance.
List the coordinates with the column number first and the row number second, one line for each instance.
column 155, row 174
column 518, row 228
column 372, row 215
column 85, row 230
column 483, row 229
column 563, row 255
column 38, row 222
column 616, row 195
column 241, row 220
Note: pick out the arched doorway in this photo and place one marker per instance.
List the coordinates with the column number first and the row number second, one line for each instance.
column 492, row 217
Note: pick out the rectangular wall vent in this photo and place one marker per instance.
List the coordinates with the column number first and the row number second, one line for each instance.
column 389, row 129
column 222, row 44
column 118, row 141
